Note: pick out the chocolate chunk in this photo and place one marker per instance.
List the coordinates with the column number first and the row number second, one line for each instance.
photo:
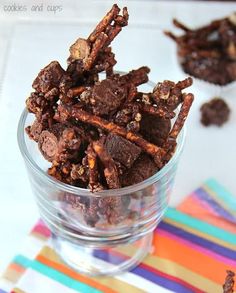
column 106, row 96
column 122, row 150
column 143, row 168
column 49, row 77
column 36, row 129
column 59, row 142
column 155, row 129
column 49, row 142
column 215, row 112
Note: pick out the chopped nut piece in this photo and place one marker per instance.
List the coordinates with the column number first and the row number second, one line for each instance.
column 80, row 50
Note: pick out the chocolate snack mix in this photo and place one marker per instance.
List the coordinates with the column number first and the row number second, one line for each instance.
column 104, row 133
column 208, row 52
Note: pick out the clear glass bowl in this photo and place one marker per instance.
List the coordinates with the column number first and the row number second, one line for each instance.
column 95, row 249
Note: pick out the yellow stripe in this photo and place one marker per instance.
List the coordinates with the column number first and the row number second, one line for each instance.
column 39, row 236
column 17, row 290
column 11, row 274
column 201, row 234
column 173, row 269
column 109, row 282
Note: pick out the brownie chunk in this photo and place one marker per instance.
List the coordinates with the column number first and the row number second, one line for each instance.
column 106, row 96
column 215, row 112
column 122, row 150
column 49, row 77
column 143, row 168
column 155, row 129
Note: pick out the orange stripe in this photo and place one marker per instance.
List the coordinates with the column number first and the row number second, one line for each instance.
column 201, row 213
column 17, row 268
column 190, row 258
column 65, row 270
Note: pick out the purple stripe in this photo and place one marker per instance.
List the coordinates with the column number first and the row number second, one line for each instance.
column 2, row 291
column 224, row 251
column 205, row 197
column 152, row 277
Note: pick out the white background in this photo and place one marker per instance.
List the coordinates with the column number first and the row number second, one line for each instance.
column 29, row 41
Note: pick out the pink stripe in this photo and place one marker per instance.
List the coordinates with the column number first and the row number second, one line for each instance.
column 41, row 229
column 197, row 247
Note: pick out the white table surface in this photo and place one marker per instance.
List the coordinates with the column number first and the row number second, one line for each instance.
column 29, row 41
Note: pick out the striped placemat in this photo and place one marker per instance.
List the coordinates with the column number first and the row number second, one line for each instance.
column 192, row 249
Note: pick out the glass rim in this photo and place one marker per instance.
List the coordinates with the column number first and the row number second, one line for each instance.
column 83, row 191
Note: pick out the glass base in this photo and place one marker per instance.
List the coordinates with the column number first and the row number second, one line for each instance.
column 102, row 261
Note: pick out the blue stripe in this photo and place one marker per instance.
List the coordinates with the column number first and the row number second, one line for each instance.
column 144, row 273
column 55, row 275
column 199, row 225
column 223, row 194
column 226, row 252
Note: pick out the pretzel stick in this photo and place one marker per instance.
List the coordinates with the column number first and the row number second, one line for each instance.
column 183, row 84
column 107, row 19
column 98, row 45
column 110, row 170
column 76, row 91
column 112, row 32
column 181, row 25
column 65, row 112
column 93, row 171
column 188, row 99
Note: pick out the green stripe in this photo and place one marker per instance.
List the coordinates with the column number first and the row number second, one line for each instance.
column 54, row 274
column 186, row 220
column 222, row 194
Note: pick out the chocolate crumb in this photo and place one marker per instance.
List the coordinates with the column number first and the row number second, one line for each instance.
column 216, row 111
column 228, row 286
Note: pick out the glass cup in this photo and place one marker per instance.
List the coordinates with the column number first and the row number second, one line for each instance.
column 102, row 233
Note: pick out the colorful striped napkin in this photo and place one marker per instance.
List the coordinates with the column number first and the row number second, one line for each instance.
column 192, row 249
